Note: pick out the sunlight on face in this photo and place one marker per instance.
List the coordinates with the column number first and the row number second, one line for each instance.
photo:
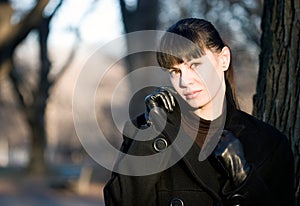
column 199, row 81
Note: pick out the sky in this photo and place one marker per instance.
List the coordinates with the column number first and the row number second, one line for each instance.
column 101, row 25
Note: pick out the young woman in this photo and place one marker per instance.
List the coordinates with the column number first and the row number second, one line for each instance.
column 233, row 158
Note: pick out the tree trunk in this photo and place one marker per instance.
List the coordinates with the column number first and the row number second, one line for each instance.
column 277, row 97
column 37, row 164
column 13, row 34
column 143, row 17
column 36, row 113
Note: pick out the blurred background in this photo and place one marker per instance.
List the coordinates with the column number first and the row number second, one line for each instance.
column 43, row 47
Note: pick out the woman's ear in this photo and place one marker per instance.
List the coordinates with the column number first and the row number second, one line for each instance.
column 224, row 58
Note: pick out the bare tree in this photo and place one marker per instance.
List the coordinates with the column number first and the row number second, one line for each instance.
column 12, row 34
column 32, row 99
column 277, row 99
column 141, row 16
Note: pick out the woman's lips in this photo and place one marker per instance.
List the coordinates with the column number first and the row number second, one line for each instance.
column 192, row 95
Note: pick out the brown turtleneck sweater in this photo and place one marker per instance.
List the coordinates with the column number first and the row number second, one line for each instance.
column 201, row 128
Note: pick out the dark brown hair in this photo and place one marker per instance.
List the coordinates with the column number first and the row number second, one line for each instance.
column 187, row 39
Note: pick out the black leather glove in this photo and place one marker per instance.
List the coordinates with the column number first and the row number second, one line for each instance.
column 159, row 105
column 229, row 153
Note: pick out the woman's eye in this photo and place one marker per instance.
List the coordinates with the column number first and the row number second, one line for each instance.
column 174, row 71
column 195, row 65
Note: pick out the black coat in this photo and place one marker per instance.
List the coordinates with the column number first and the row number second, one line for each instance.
column 190, row 182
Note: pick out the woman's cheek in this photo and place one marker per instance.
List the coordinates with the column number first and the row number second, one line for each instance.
column 175, row 83
column 209, row 79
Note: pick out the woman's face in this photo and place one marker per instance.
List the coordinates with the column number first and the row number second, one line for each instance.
column 199, row 81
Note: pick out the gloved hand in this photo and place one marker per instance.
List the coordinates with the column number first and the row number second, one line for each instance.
column 161, row 103
column 229, row 153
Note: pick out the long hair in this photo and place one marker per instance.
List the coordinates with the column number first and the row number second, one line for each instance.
column 187, row 39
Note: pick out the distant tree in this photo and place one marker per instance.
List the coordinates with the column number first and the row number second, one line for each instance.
column 238, row 21
column 143, row 15
column 277, row 99
column 32, row 99
column 12, row 34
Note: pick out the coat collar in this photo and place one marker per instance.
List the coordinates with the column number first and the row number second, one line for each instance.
column 203, row 171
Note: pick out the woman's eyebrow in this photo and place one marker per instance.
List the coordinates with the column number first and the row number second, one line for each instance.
column 173, row 68
column 194, row 60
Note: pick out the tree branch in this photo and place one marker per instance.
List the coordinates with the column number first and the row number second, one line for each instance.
column 14, row 34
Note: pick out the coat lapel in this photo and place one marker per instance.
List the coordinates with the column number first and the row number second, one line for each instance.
column 202, row 171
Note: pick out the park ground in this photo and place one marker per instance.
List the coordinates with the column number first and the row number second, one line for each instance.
column 19, row 189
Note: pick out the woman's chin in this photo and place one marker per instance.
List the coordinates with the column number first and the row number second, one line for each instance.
column 192, row 106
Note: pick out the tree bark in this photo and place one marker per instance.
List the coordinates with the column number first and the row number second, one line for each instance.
column 277, row 96
column 143, row 17
column 13, row 34
column 36, row 112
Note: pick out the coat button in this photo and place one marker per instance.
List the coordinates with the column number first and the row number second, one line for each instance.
column 160, row 144
column 176, row 202
column 236, row 200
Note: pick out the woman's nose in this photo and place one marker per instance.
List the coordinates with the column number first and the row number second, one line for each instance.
column 186, row 77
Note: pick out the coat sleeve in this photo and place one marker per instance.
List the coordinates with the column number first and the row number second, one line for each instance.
column 125, row 190
column 270, row 183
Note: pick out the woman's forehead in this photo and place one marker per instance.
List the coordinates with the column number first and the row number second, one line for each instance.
column 190, row 60
column 192, row 56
